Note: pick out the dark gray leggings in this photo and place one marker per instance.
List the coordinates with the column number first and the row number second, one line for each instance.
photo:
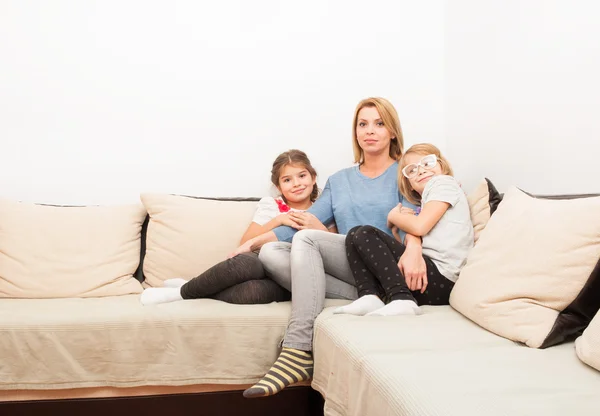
column 373, row 257
column 240, row 280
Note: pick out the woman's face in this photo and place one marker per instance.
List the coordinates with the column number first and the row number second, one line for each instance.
column 372, row 135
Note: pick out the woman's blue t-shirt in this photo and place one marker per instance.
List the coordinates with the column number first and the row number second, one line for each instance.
column 351, row 198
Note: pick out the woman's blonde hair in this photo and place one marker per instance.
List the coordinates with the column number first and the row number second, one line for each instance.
column 421, row 149
column 390, row 119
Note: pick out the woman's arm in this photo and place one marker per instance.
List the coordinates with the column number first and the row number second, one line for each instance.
column 418, row 225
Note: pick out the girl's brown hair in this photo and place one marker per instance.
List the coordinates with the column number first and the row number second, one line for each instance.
column 390, row 119
column 421, row 149
column 293, row 157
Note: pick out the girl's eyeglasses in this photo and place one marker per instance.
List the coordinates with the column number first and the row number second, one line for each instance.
column 428, row 162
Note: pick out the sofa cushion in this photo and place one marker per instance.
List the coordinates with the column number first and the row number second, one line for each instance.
column 53, row 252
column 588, row 345
column 187, row 235
column 440, row 363
column 483, row 202
column 536, row 258
column 116, row 341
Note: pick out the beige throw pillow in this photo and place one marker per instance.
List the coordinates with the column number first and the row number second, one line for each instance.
column 483, row 202
column 536, row 257
column 188, row 235
column 58, row 252
column 588, row 345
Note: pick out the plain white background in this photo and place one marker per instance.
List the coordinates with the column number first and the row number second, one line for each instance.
column 102, row 100
column 523, row 93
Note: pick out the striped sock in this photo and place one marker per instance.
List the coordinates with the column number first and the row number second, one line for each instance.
column 291, row 367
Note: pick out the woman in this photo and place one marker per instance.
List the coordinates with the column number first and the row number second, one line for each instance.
column 316, row 263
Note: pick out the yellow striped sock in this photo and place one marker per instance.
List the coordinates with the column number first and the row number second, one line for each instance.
column 291, row 367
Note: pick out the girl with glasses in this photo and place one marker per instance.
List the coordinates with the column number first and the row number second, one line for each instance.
column 444, row 225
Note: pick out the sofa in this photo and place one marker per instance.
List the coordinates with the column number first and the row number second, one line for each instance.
column 74, row 337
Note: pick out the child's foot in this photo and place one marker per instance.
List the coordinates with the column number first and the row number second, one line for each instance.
column 361, row 306
column 177, row 282
column 291, row 367
column 398, row 307
column 156, row 295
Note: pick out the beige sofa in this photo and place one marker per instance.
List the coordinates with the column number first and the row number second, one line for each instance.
column 71, row 322
column 109, row 345
column 504, row 346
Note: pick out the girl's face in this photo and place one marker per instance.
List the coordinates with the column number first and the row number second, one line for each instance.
column 372, row 136
column 296, row 184
column 424, row 170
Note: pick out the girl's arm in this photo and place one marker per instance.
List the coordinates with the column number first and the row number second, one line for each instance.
column 267, row 217
column 255, row 229
column 255, row 243
column 423, row 223
column 322, row 209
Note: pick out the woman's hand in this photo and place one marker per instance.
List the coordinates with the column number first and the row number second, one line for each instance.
column 413, row 268
column 306, row 221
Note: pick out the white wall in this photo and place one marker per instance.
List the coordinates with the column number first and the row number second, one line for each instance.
column 100, row 100
column 523, row 93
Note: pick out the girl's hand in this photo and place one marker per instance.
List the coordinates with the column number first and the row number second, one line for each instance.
column 244, row 248
column 413, row 268
column 390, row 217
column 406, row 210
column 286, row 219
column 396, row 235
column 306, row 221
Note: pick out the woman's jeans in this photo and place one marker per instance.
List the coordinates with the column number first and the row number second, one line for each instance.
column 313, row 267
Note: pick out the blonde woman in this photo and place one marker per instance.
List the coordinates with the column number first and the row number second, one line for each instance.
column 316, row 266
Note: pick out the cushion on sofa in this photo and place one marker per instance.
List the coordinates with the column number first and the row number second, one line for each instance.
column 588, row 345
column 483, row 202
column 187, row 235
column 537, row 258
column 116, row 341
column 440, row 363
column 53, row 252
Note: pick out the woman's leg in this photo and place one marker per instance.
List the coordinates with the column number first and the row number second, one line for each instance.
column 275, row 258
column 313, row 254
column 253, row 292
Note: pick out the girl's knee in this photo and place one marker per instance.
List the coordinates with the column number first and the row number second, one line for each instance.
column 361, row 233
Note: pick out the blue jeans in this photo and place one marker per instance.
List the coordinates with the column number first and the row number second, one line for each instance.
column 313, row 267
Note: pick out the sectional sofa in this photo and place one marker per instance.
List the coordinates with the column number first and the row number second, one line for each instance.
column 74, row 337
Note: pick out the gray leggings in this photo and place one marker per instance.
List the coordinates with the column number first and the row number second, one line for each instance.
column 313, row 267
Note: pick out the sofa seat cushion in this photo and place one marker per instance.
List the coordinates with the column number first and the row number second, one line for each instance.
column 440, row 363
column 115, row 341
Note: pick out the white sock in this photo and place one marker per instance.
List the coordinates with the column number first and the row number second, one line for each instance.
column 177, row 282
column 156, row 295
column 398, row 307
column 361, row 306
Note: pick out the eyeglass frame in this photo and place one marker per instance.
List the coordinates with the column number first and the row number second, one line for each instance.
column 419, row 164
